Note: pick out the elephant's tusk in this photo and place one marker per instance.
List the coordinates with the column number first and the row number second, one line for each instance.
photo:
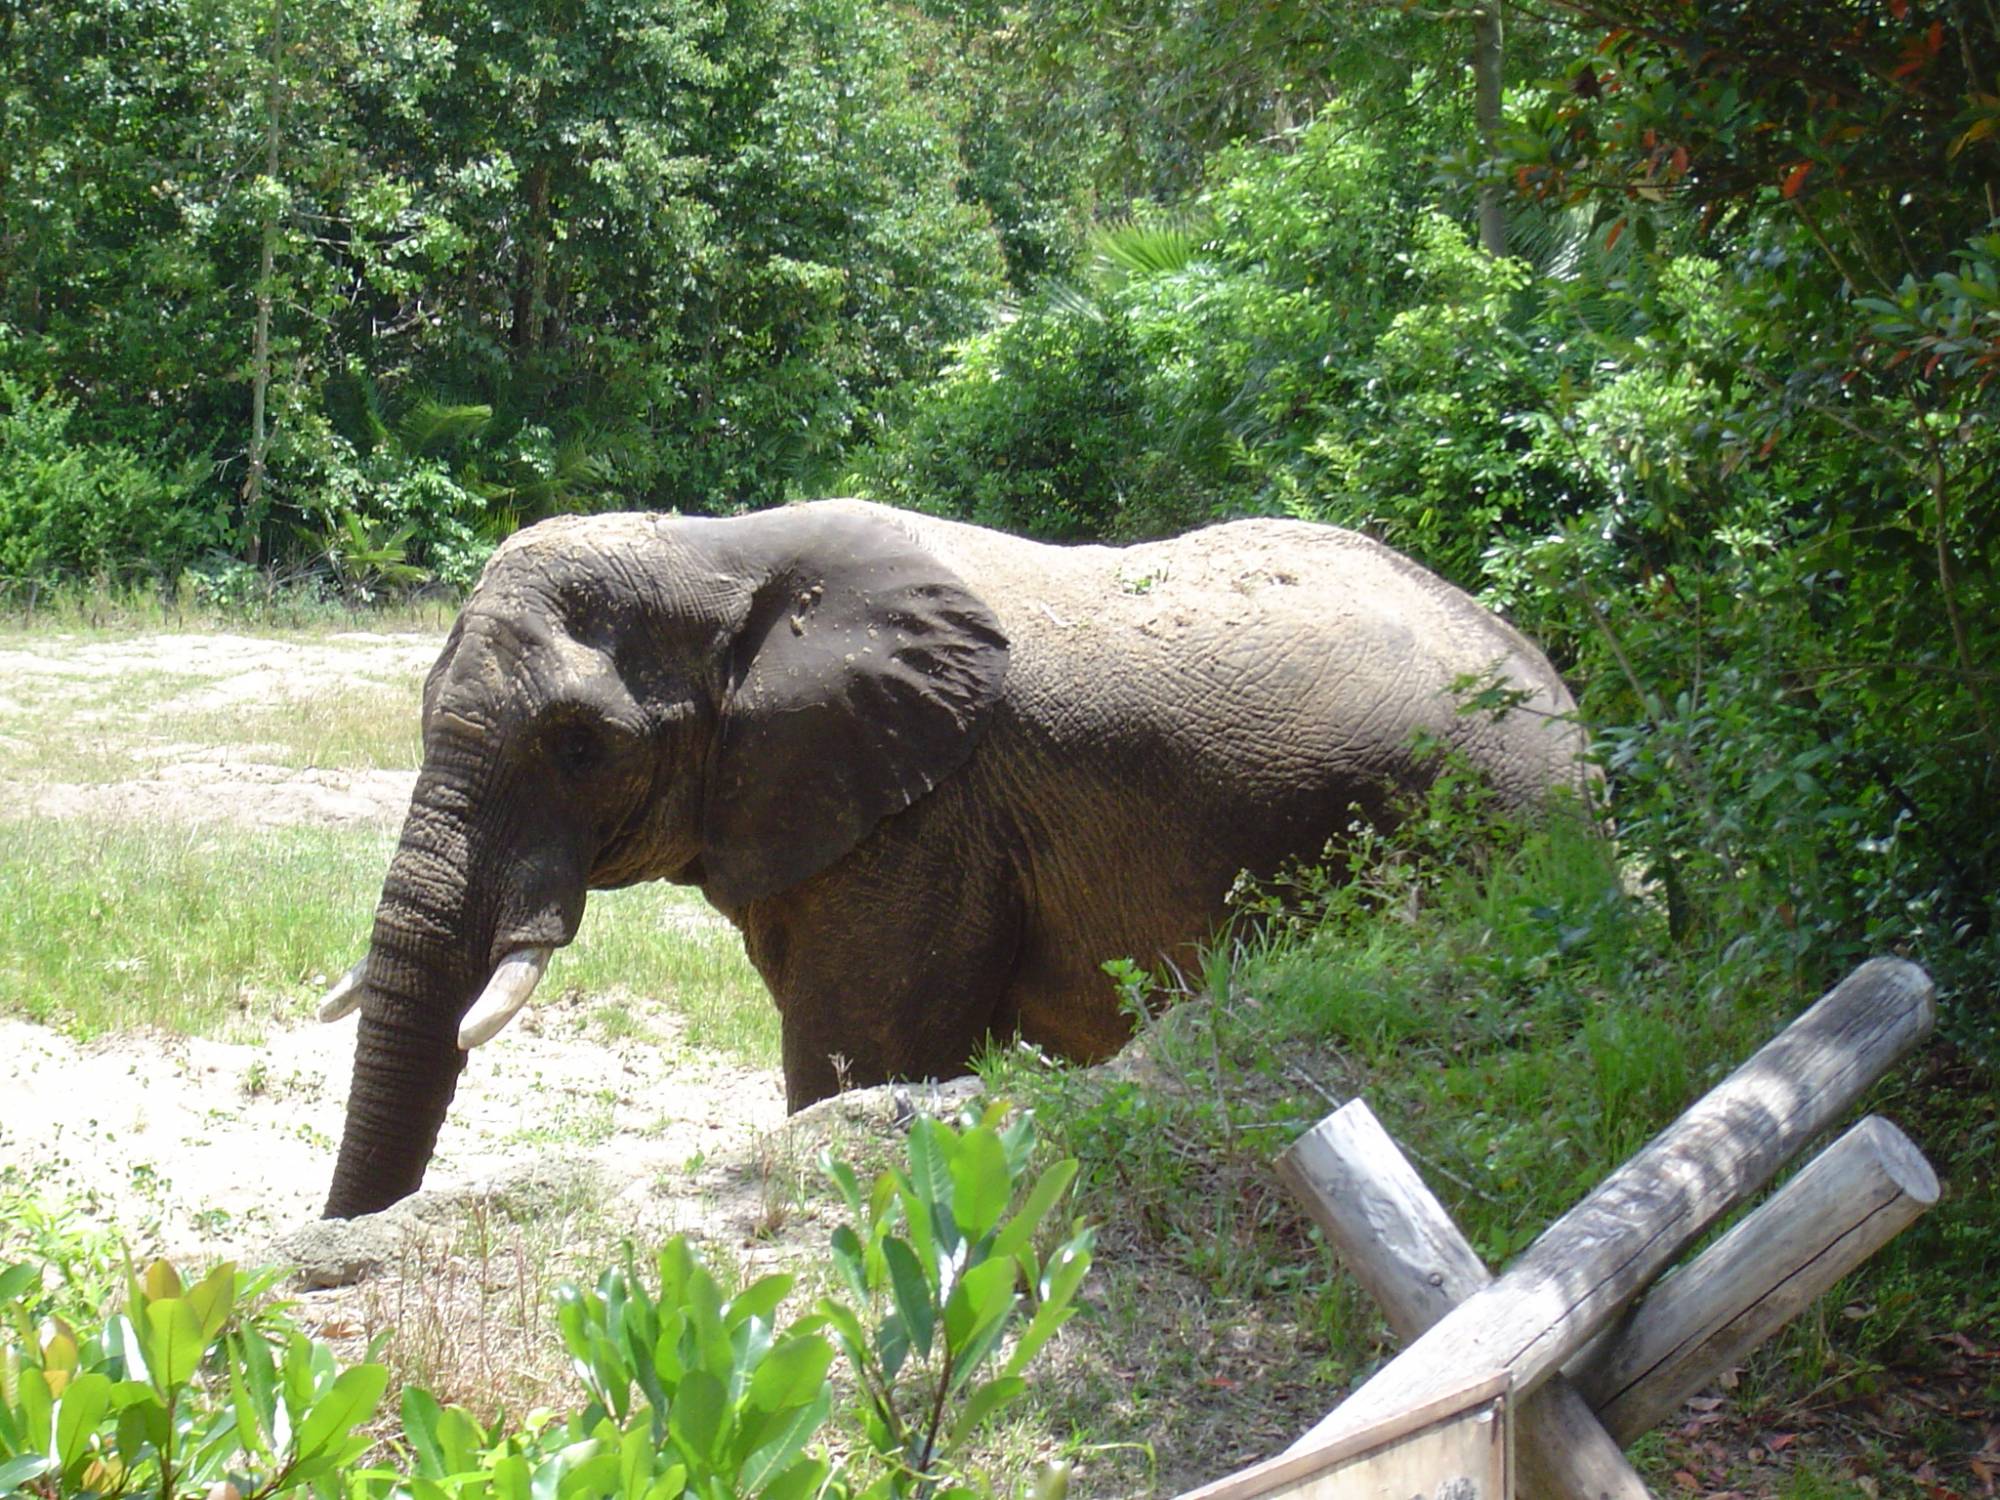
column 345, row 994
column 506, row 992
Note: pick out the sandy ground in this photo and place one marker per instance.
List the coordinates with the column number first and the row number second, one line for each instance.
column 226, row 1147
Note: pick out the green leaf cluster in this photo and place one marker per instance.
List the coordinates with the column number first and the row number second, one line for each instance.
column 198, row 1388
column 941, row 1260
column 180, row 1392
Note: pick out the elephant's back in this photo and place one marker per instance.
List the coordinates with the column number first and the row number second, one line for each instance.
column 1268, row 653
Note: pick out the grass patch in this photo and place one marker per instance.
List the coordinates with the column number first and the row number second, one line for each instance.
column 666, row 941
column 1522, row 1024
column 208, row 931
column 77, row 719
column 374, row 726
column 219, row 930
column 110, row 611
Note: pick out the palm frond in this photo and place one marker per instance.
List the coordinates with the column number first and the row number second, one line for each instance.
column 1130, row 247
column 431, row 427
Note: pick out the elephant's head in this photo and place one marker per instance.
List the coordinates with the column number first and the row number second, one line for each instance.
column 732, row 704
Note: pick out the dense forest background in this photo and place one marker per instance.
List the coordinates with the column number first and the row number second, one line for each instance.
column 1668, row 328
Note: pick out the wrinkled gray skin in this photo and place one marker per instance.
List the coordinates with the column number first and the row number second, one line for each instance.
column 933, row 773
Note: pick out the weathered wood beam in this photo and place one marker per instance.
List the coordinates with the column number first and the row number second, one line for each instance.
column 1850, row 1201
column 1403, row 1248
column 1573, row 1280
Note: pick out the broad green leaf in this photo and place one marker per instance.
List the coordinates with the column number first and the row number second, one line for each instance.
column 252, row 1356
column 1066, row 1268
column 571, row 1468
column 780, row 1442
column 704, row 1311
column 677, row 1264
column 985, row 1400
column 20, row 1279
column 596, row 1475
column 18, row 1471
column 791, row 1373
column 912, row 1292
column 1041, row 1198
column 213, row 1298
column 337, row 1455
column 37, row 1404
column 174, row 1342
column 670, row 1485
column 984, row 1295
column 980, row 1183
column 848, row 1260
column 351, row 1401
column 749, row 1343
column 459, row 1440
column 143, row 1422
column 847, row 1328
column 892, row 1346
column 511, row 1478
column 967, row 1365
column 801, row 1480
column 84, row 1402
column 700, row 1408
column 252, row 1422
column 758, row 1300
column 421, row 1415
column 635, row 1463
column 1041, row 1328
column 841, row 1173
column 59, row 1347
column 161, row 1281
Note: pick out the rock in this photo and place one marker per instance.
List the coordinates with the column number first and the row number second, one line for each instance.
column 341, row 1252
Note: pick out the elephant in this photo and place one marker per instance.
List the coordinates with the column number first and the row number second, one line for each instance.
column 936, row 775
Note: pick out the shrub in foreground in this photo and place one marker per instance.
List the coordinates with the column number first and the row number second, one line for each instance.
column 205, row 1389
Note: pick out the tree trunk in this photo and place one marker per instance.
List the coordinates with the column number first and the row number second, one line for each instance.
column 531, row 265
column 1486, row 61
column 260, row 339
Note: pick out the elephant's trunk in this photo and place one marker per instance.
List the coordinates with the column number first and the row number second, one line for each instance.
column 403, row 1082
column 426, row 960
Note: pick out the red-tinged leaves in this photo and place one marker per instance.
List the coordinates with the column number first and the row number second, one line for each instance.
column 1900, row 9
column 1796, row 179
column 1616, row 230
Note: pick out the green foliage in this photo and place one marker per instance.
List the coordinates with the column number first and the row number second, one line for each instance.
column 183, row 1389
column 938, row 1262
column 687, row 1391
column 94, row 509
column 636, row 249
column 1518, row 1011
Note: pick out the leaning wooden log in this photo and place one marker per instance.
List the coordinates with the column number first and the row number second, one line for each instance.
column 1849, row 1202
column 1403, row 1248
column 1573, row 1280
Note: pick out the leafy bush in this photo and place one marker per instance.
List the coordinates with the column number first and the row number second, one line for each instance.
column 180, row 1391
column 193, row 1387
column 92, row 509
column 933, row 1303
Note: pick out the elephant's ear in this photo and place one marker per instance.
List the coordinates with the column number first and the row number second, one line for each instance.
column 864, row 676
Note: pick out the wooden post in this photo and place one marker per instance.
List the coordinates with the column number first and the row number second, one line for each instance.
column 1848, row 1203
column 1403, row 1248
column 1592, row 1261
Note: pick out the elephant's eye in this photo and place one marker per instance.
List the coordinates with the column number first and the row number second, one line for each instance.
column 576, row 748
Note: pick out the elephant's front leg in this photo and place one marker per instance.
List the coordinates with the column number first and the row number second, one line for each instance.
column 896, row 962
